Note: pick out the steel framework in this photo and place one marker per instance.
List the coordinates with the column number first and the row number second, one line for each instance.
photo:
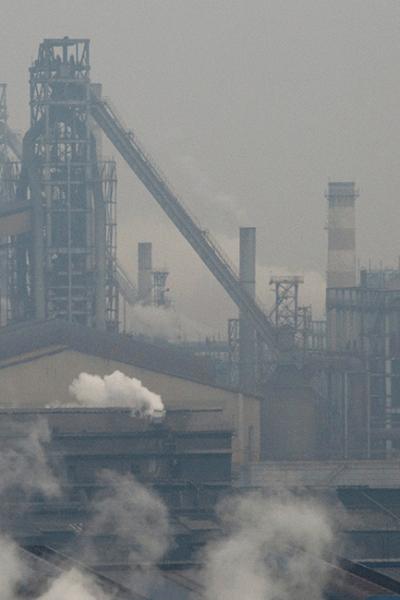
column 286, row 308
column 9, row 175
column 68, row 268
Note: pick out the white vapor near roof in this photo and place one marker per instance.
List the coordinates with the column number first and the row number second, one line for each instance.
column 117, row 390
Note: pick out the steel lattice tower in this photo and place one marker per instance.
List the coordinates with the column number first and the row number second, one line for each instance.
column 71, row 256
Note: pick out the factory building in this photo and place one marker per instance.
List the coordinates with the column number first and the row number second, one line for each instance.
column 184, row 460
column 366, row 493
column 314, row 401
column 363, row 324
column 39, row 361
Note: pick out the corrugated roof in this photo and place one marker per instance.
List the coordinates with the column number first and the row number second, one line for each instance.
column 32, row 336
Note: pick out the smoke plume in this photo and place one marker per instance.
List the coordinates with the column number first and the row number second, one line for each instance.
column 24, row 465
column 116, row 389
column 13, row 571
column 158, row 323
column 74, row 585
column 134, row 516
column 270, row 551
column 16, row 577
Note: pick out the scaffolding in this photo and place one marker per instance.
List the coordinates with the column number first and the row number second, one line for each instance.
column 9, row 248
column 364, row 323
column 67, row 267
column 285, row 311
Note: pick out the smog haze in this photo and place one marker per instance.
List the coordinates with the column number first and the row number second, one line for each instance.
column 250, row 108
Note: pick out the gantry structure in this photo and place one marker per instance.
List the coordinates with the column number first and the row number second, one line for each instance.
column 66, row 266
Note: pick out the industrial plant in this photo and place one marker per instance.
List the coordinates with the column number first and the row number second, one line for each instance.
column 118, row 448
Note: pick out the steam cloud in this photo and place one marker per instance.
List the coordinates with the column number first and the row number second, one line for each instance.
column 13, row 571
column 15, row 575
column 115, row 390
column 134, row 515
column 24, row 465
column 74, row 585
column 159, row 323
column 270, row 551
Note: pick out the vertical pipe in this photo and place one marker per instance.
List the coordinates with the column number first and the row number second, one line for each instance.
column 145, row 266
column 69, row 242
column 100, row 217
column 346, row 415
column 368, row 408
column 247, row 333
column 37, row 229
column 100, row 250
column 388, row 381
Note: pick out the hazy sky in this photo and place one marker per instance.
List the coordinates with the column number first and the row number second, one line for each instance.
column 249, row 107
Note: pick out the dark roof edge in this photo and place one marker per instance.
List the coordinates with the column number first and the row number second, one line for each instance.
column 32, row 335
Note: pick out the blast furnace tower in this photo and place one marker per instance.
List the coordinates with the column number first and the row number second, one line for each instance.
column 67, row 266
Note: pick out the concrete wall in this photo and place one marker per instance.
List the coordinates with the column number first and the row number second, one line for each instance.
column 294, row 419
column 39, row 380
column 292, row 426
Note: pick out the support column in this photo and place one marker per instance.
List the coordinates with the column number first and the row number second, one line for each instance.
column 247, row 333
column 145, row 283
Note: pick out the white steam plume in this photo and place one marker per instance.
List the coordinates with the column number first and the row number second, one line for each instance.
column 116, row 389
column 134, row 515
column 271, row 550
column 13, row 571
column 158, row 323
column 15, row 574
column 74, row 585
column 24, row 465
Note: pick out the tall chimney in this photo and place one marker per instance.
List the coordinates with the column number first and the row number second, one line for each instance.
column 341, row 270
column 247, row 334
column 145, row 272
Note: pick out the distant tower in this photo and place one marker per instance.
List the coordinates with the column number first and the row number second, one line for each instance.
column 286, row 309
column 341, row 271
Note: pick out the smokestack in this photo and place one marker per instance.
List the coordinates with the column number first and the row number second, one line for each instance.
column 247, row 334
column 145, row 274
column 341, row 271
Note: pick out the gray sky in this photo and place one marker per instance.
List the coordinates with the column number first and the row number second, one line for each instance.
column 249, row 107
